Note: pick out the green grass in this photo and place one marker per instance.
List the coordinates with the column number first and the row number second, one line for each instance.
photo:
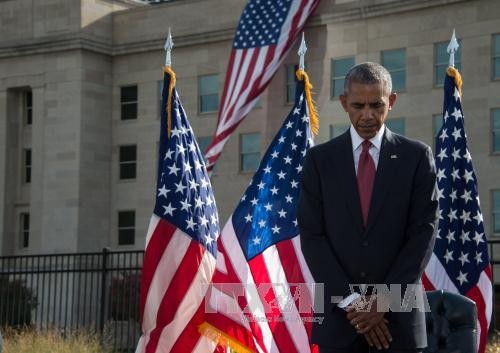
column 494, row 343
column 31, row 341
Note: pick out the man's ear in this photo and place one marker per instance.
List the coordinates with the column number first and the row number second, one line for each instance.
column 392, row 100
column 343, row 101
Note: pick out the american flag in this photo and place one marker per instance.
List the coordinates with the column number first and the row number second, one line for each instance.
column 265, row 33
column 181, row 241
column 460, row 262
column 268, row 308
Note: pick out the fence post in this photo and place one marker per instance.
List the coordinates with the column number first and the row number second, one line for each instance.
column 104, row 270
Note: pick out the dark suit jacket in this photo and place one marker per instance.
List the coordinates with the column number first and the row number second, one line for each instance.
column 396, row 244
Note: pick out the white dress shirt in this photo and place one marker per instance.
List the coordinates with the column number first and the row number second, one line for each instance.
column 375, row 153
column 374, row 148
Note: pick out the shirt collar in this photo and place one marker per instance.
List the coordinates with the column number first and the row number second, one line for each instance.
column 358, row 140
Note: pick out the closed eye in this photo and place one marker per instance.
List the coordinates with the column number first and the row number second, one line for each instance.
column 377, row 105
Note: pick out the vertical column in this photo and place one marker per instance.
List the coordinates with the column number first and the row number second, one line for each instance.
column 37, row 147
column 3, row 163
column 11, row 167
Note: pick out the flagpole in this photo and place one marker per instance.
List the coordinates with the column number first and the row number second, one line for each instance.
column 302, row 76
column 452, row 48
column 302, row 52
column 169, row 44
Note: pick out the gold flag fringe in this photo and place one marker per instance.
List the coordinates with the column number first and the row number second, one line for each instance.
column 171, row 72
column 313, row 112
column 451, row 71
column 222, row 339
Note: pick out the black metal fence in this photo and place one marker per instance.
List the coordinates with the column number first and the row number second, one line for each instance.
column 98, row 292
column 494, row 245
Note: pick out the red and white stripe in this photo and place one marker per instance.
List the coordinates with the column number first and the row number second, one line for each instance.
column 283, row 328
column 435, row 277
column 248, row 74
column 175, row 277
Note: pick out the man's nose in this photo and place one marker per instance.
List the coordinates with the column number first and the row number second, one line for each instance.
column 367, row 112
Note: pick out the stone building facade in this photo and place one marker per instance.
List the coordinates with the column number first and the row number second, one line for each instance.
column 80, row 96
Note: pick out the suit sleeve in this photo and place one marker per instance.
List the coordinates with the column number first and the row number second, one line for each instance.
column 421, row 224
column 316, row 248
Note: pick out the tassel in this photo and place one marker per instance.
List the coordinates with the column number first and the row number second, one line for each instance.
column 222, row 339
column 171, row 72
column 452, row 72
column 313, row 112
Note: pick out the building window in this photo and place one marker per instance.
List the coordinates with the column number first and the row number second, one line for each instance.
column 396, row 125
column 442, row 60
column 495, row 130
column 338, row 129
column 496, row 211
column 249, row 152
column 27, row 165
column 291, row 82
column 160, row 85
column 496, row 56
column 28, row 107
column 338, row 71
column 25, row 229
column 203, row 142
column 209, row 93
column 128, row 161
column 437, row 123
column 258, row 102
column 128, row 101
column 126, row 227
column 395, row 62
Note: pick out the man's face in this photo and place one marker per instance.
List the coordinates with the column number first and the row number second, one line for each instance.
column 367, row 106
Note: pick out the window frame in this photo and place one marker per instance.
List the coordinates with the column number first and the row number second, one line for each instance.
column 288, row 84
column 494, row 212
column 242, row 153
column 458, row 63
column 401, row 118
column 24, row 232
column 127, row 227
column 160, row 94
column 200, row 95
column 126, row 162
column 129, row 103
column 27, row 165
column 493, row 131
column 404, row 89
column 494, row 56
column 28, row 108
column 434, row 130
column 334, row 78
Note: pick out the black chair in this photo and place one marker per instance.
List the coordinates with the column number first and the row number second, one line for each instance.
column 451, row 323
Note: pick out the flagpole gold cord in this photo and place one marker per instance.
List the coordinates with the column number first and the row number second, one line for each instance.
column 452, row 72
column 171, row 86
column 313, row 112
column 222, row 339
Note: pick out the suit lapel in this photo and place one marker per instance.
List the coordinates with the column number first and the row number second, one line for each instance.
column 347, row 176
column 386, row 170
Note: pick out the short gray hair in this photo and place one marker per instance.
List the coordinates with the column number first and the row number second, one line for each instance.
column 368, row 73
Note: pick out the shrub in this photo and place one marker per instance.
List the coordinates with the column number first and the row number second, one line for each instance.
column 125, row 297
column 16, row 302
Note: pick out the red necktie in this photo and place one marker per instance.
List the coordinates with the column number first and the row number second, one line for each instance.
column 366, row 177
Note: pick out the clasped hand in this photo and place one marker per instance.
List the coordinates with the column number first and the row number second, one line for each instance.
column 369, row 321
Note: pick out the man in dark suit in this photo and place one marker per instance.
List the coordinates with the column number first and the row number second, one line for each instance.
column 367, row 215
